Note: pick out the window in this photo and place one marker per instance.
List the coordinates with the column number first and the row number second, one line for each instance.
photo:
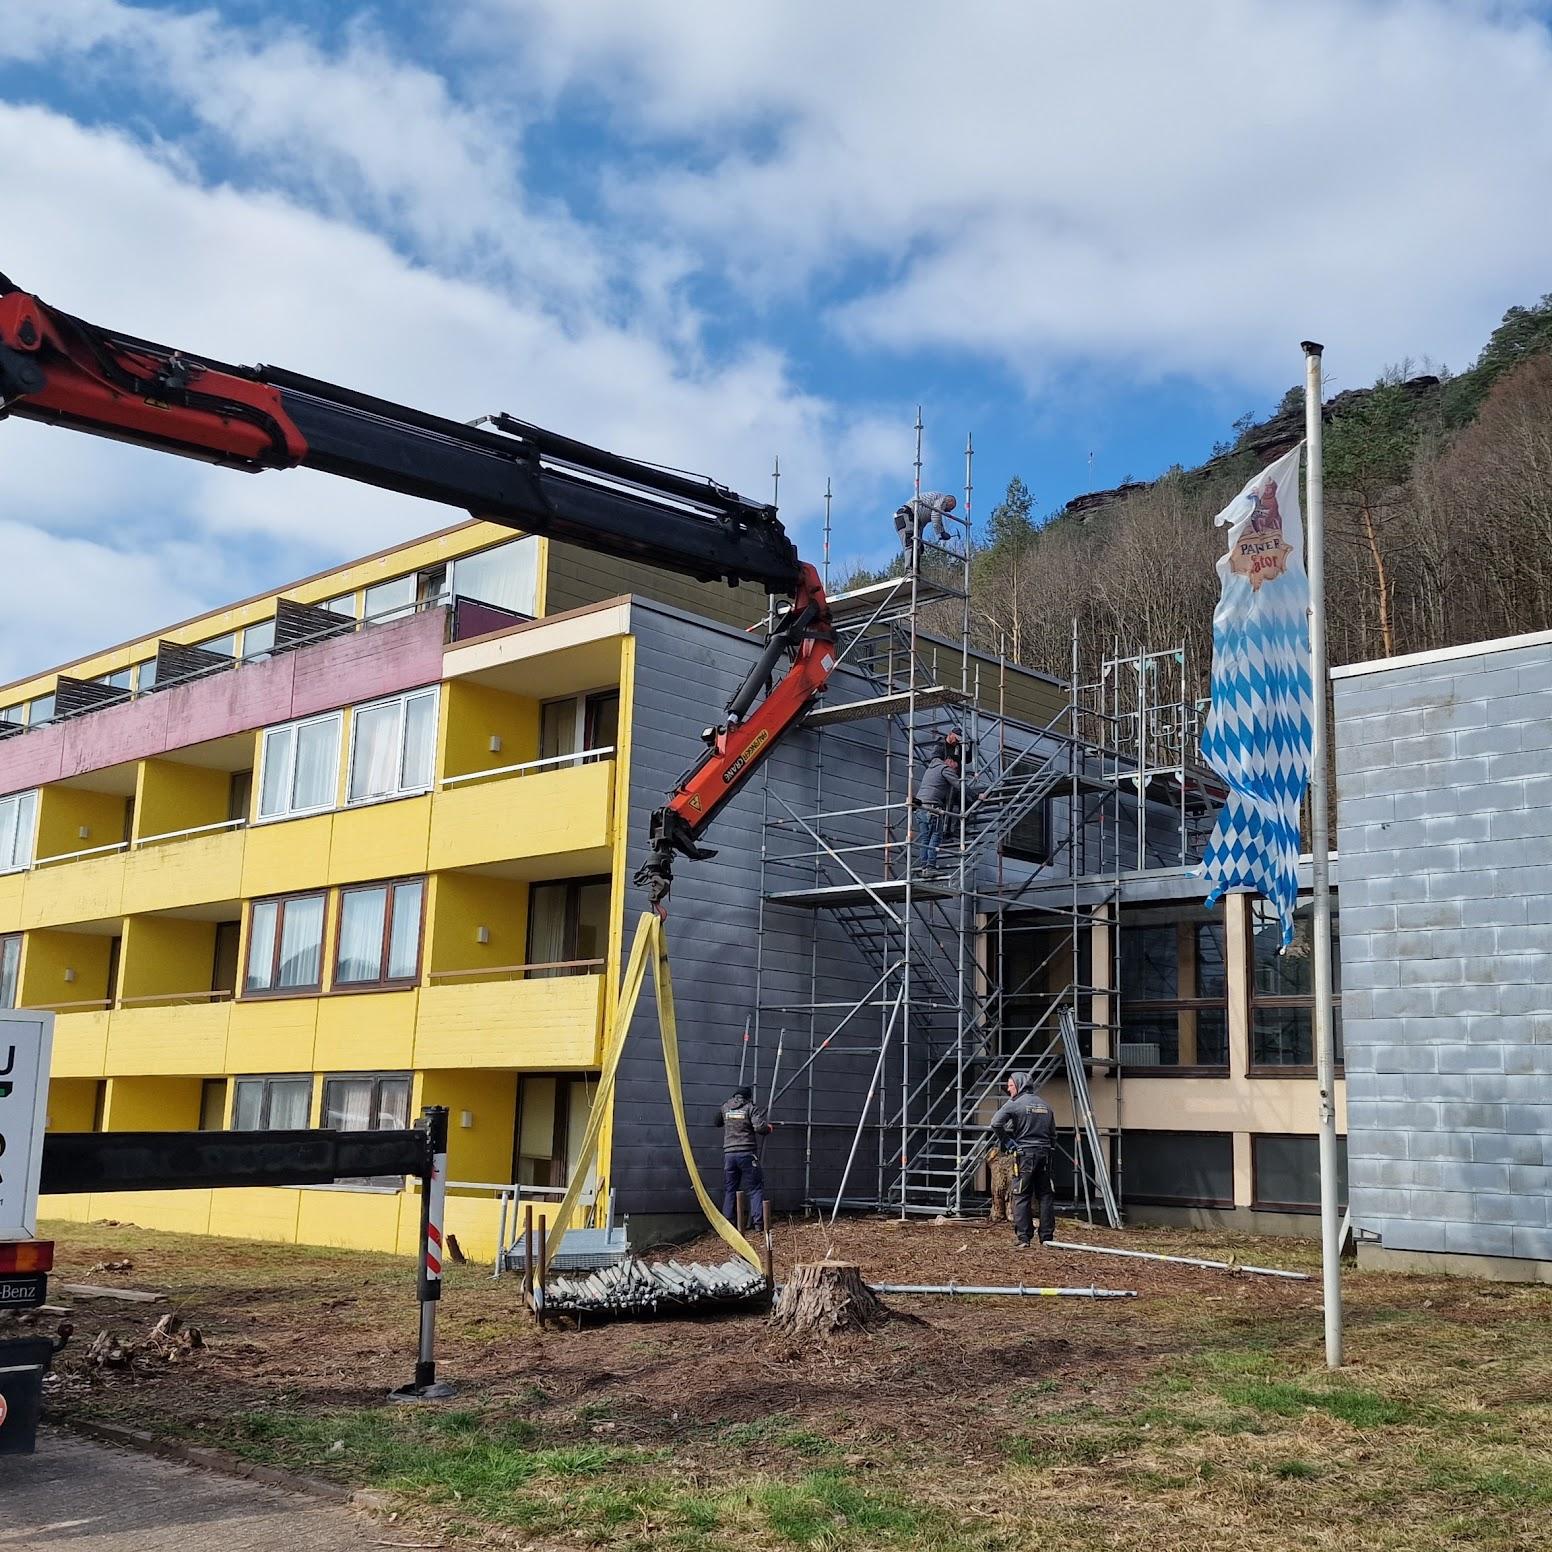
column 552, row 1115
column 18, row 825
column 258, row 640
column 1180, row 1169
column 212, row 1105
column 390, row 600
column 10, row 967
column 602, row 721
column 118, row 680
column 1030, row 839
column 40, row 710
column 345, row 604
column 568, row 922
column 367, row 1102
column 145, row 675
column 379, row 934
column 393, row 746
column 506, row 576
column 558, row 728
column 1174, row 990
column 222, row 646
column 301, row 767
column 13, row 716
column 239, row 795
column 579, row 723
column 272, row 1104
column 224, row 960
column 431, row 587
column 1286, row 1173
column 1282, row 991
column 285, row 945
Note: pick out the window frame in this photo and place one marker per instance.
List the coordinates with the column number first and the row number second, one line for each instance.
column 268, row 1079
column 1176, row 918
column 247, row 993
column 6, row 865
column 1302, row 1002
column 6, row 942
column 1130, row 1196
column 573, row 920
column 376, row 1077
column 1256, row 1202
column 384, row 982
column 401, row 700
column 294, row 728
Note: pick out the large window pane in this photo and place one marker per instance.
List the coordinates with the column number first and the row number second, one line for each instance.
column 261, row 946
column 419, row 759
column 375, row 751
column 301, row 942
column 259, row 639
column 1287, row 1172
column 393, row 1104
column 1150, row 962
column 290, row 1099
column 362, row 913
column 603, row 720
column 317, row 764
column 547, row 925
column 1212, row 976
column 592, row 930
column 557, row 729
column 506, row 576
column 10, row 963
column 275, row 792
column 347, row 1104
column 404, row 947
column 1180, row 1167
column 389, row 600
column 248, row 1106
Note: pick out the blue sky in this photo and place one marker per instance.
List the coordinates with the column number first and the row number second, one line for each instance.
column 713, row 235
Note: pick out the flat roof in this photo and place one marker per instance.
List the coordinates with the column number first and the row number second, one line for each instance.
column 1444, row 654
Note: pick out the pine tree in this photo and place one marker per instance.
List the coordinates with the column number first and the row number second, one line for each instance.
column 1011, row 525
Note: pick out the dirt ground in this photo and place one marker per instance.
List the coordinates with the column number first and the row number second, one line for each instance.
column 1202, row 1403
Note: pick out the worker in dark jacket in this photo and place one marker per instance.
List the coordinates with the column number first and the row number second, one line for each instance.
column 937, row 795
column 1026, row 1126
column 743, row 1124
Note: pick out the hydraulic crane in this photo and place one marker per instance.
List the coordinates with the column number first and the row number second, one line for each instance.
column 62, row 371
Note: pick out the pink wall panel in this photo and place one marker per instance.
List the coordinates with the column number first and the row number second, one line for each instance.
column 376, row 661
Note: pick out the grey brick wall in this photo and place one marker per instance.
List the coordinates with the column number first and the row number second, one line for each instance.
column 1444, row 827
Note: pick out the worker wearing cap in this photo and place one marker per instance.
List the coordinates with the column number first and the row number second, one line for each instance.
column 916, row 516
column 743, row 1124
column 1026, row 1126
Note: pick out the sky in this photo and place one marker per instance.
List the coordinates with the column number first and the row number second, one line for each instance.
column 1088, row 233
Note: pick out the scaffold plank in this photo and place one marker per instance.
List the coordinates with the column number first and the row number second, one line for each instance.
column 929, row 698
column 891, row 892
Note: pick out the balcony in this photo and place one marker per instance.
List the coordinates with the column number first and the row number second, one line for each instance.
column 552, row 1023
column 536, row 823
column 80, row 1043
column 164, row 1036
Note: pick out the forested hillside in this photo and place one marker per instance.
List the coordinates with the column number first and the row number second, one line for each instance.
column 1439, row 517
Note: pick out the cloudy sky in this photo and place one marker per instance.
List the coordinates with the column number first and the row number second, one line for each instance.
column 1090, row 232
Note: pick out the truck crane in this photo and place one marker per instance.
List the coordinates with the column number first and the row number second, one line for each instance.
column 63, row 371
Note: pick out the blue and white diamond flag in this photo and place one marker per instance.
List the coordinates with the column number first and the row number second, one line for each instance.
column 1260, row 730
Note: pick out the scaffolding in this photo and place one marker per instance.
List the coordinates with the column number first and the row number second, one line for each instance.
column 1007, row 958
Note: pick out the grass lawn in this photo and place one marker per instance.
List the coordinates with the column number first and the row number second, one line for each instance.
column 1199, row 1415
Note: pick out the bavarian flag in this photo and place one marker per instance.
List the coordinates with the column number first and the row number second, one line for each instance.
column 1260, row 730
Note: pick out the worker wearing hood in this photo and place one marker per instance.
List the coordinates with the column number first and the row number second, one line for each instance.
column 1026, row 1126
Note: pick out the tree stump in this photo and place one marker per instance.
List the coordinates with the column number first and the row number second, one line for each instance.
column 825, row 1298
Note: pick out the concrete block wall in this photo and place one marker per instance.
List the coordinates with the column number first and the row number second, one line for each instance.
column 1444, row 827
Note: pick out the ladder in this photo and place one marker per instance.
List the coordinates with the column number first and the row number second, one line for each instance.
column 1083, row 1115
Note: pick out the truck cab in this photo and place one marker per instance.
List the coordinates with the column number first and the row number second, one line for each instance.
column 26, row 1046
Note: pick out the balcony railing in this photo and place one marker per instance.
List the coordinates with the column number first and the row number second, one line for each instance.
column 555, row 967
column 548, row 763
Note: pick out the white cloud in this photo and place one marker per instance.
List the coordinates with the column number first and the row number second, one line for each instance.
column 1154, row 189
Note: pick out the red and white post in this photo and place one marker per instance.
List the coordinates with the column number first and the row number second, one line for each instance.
column 433, row 1210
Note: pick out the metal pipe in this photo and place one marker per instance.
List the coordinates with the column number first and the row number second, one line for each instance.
column 1019, row 1292
column 1151, row 1255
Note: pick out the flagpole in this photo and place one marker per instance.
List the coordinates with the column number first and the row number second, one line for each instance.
column 1320, row 846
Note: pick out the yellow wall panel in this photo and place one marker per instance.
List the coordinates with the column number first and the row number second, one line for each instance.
column 462, row 903
column 171, row 796
column 81, row 1044
column 380, row 840
column 257, row 1212
column 168, row 1038
column 72, row 1104
column 291, row 854
column 352, row 1220
column 554, row 1023
column 542, row 815
column 179, row 1212
column 366, row 1032
column 160, row 1104
column 49, row 957
column 272, row 1035
column 166, row 956
column 11, row 887
column 195, row 870
column 483, row 1150
column 475, row 712
column 67, row 892
column 69, row 1209
column 63, row 812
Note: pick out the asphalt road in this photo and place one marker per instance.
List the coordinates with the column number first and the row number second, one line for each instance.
column 76, row 1496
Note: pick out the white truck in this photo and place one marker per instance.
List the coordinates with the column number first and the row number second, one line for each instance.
column 26, row 1046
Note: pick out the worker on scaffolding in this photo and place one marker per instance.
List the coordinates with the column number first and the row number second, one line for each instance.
column 937, row 802
column 743, row 1124
column 917, row 516
column 1026, row 1126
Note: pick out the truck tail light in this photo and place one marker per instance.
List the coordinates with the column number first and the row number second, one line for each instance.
column 26, row 1255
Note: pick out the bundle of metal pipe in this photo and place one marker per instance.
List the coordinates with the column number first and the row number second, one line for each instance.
column 634, row 1287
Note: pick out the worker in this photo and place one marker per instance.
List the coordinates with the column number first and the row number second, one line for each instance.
column 999, row 1163
column 743, row 1124
column 936, row 794
column 916, row 516
column 1026, row 1126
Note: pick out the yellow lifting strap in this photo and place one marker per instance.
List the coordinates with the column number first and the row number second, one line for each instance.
column 651, row 943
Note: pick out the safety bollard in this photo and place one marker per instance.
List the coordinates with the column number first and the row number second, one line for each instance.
column 740, row 1211
column 433, row 1206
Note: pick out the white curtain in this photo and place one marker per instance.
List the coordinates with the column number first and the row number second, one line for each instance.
column 301, row 942
column 348, row 1104
column 419, row 759
column 375, row 751
column 506, row 576
column 547, row 927
column 248, row 1107
column 404, row 943
column 261, row 947
column 289, row 1101
column 393, row 1103
column 361, row 935
column 274, row 791
column 10, row 959
column 317, row 764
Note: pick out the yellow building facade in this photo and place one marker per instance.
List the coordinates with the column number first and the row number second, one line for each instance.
column 331, row 878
